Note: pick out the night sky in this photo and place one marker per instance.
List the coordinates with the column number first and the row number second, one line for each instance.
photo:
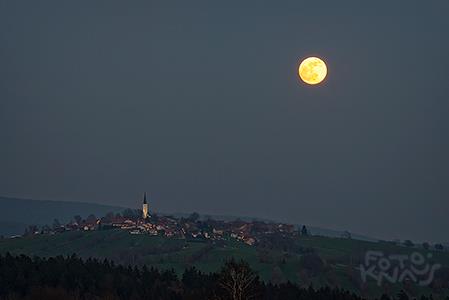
column 200, row 105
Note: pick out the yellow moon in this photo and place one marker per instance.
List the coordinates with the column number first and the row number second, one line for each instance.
column 312, row 70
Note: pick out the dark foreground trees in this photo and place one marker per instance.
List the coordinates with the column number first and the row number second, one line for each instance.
column 72, row 278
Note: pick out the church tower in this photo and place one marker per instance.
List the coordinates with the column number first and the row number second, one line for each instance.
column 145, row 207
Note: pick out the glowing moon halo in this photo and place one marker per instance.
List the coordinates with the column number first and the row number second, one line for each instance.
column 312, row 70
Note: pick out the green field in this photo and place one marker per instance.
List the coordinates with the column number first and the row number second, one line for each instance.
column 341, row 257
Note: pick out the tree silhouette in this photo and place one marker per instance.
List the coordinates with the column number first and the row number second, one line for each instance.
column 408, row 243
column 439, row 247
column 56, row 224
column 238, row 281
column 78, row 219
column 194, row 217
column 304, row 231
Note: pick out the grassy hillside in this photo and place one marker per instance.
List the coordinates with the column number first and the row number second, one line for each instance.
column 341, row 257
column 16, row 214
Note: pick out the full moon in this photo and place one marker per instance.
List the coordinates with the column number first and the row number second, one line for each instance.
column 312, row 70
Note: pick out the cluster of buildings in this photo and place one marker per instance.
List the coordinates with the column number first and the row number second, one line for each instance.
column 193, row 228
column 142, row 222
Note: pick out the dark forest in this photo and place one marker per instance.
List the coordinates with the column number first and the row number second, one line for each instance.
column 23, row 277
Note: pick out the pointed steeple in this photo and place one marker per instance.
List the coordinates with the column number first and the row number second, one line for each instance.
column 145, row 209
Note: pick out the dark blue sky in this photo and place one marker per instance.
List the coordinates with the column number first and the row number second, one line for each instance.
column 199, row 104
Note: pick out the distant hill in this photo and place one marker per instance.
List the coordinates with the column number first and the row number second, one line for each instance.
column 16, row 214
column 336, row 233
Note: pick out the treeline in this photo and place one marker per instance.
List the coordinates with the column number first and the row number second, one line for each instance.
column 72, row 278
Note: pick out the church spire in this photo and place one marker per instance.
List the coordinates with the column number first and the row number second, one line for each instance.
column 145, row 209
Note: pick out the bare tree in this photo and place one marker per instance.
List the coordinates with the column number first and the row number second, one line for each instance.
column 238, row 281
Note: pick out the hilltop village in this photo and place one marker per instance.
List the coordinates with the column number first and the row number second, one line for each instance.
column 191, row 227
